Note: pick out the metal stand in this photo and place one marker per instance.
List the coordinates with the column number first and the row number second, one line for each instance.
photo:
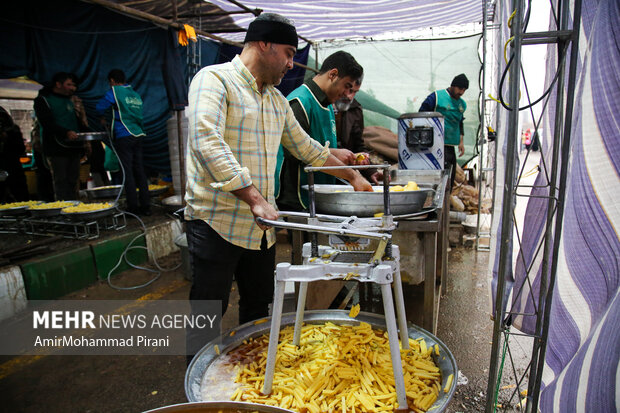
column 381, row 266
column 89, row 229
column 567, row 34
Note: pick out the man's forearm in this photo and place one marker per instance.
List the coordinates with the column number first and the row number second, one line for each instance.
column 258, row 204
column 250, row 195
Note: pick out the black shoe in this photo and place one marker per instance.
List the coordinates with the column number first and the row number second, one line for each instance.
column 146, row 212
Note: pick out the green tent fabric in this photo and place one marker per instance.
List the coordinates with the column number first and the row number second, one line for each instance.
column 372, row 104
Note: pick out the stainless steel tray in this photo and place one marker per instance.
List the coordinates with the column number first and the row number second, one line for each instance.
column 48, row 212
column 367, row 204
column 158, row 191
column 217, row 407
column 89, row 215
column 91, row 136
column 9, row 212
column 207, row 355
column 110, row 191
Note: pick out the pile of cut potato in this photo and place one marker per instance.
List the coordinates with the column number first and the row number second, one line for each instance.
column 82, row 207
column 337, row 368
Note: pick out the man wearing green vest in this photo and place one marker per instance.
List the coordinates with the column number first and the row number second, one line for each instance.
column 312, row 106
column 56, row 114
column 128, row 132
column 448, row 102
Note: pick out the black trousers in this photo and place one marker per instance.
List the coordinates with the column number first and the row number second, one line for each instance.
column 129, row 151
column 449, row 159
column 65, row 173
column 214, row 261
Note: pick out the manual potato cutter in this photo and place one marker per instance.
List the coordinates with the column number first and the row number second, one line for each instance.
column 338, row 262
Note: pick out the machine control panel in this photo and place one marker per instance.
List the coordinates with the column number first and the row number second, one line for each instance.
column 420, row 136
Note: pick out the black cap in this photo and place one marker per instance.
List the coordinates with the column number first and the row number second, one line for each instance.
column 271, row 31
column 460, row 81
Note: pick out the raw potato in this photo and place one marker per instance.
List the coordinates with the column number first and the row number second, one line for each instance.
column 411, row 186
column 336, row 368
column 355, row 310
column 19, row 204
column 52, row 205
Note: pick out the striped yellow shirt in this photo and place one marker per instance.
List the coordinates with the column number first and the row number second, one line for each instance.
column 234, row 134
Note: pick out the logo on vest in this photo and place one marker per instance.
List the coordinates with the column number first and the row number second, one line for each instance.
column 131, row 100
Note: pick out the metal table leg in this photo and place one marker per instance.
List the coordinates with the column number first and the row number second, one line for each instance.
column 276, row 318
column 299, row 314
column 397, row 365
column 430, row 246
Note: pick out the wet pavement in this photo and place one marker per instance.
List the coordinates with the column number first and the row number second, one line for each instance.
column 138, row 383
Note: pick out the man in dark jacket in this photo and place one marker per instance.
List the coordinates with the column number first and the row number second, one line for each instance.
column 56, row 114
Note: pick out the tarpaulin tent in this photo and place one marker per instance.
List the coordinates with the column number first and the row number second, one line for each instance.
column 397, row 74
column 582, row 355
column 41, row 38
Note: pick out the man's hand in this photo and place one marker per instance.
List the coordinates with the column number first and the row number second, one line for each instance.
column 264, row 210
column 258, row 204
column 343, row 155
column 71, row 135
column 461, row 147
column 362, row 158
column 360, row 183
column 351, row 175
column 377, row 177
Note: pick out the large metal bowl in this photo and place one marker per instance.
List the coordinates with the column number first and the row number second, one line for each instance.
column 218, row 407
column 110, row 191
column 198, row 368
column 89, row 215
column 49, row 212
column 91, row 136
column 367, row 204
column 18, row 210
column 158, row 191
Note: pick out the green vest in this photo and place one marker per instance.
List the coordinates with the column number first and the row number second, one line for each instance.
column 129, row 108
column 452, row 111
column 64, row 116
column 322, row 129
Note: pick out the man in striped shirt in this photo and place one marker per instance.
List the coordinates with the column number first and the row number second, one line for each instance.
column 237, row 120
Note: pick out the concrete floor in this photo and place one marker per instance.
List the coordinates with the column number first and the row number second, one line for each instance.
column 138, row 383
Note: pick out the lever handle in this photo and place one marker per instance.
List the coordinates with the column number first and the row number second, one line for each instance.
column 324, row 230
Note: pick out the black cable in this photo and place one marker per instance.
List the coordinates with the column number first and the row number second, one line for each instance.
column 505, row 72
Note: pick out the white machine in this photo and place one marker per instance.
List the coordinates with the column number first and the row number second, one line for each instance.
column 420, row 140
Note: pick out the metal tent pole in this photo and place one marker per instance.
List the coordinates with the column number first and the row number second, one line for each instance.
column 482, row 118
column 561, row 148
column 507, row 207
column 564, row 36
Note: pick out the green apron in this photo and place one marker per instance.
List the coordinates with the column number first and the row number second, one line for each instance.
column 129, row 109
column 452, row 111
column 64, row 115
column 322, row 129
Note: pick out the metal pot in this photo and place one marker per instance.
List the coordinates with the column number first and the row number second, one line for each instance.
column 91, row 136
column 110, row 191
column 208, row 354
column 367, row 204
column 218, row 407
column 172, row 203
